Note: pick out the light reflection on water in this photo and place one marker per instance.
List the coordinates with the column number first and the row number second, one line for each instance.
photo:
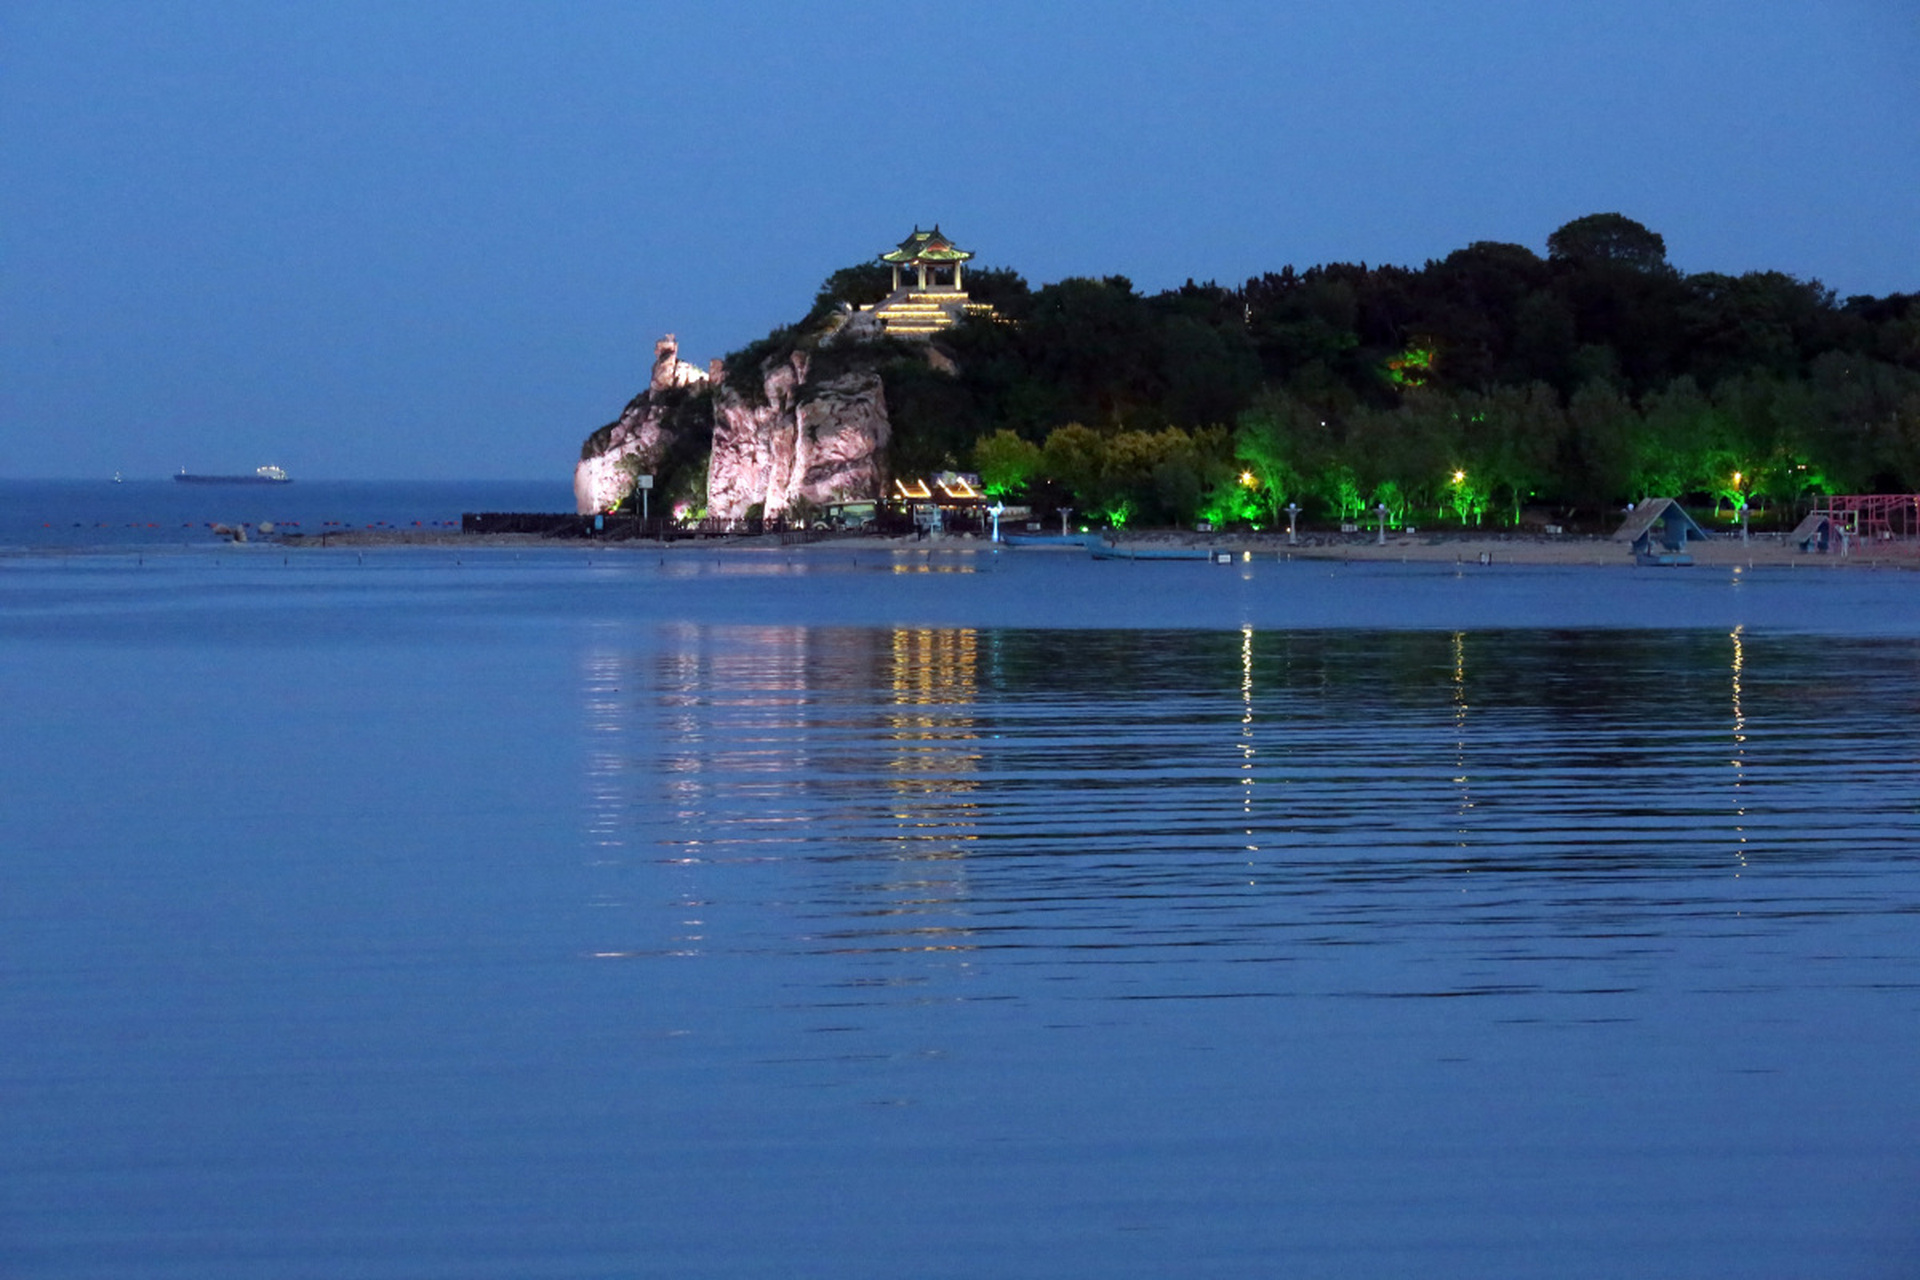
column 599, row 920
column 1419, row 940
column 1503, row 812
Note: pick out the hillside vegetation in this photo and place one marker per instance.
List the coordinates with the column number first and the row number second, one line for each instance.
column 1466, row 390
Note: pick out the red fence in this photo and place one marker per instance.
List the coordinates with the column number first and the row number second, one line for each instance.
column 1873, row 516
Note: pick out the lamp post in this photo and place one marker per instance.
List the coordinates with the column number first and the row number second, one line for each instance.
column 1293, row 514
column 995, row 511
column 1382, row 510
column 1064, row 513
column 1743, row 523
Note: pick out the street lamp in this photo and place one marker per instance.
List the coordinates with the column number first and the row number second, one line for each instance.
column 1293, row 514
column 1382, row 509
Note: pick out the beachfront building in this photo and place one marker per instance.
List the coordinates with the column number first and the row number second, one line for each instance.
column 929, row 287
column 947, row 500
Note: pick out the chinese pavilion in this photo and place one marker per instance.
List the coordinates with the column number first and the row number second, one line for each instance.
column 928, row 253
column 933, row 296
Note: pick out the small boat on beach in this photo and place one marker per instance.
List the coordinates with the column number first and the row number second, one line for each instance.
column 1102, row 551
column 261, row 475
column 1071, row 540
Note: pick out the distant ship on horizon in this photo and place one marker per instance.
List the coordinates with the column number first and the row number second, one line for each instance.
column 261, row 475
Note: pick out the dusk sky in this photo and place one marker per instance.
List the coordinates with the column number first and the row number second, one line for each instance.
column 438, row 240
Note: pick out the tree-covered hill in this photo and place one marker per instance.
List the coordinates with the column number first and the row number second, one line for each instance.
column 1470, row 388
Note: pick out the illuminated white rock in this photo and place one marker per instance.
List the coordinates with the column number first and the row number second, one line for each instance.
column 669, row 370
column 633, row 442
column 814, row 442
column 797, row 441
column 637, row 440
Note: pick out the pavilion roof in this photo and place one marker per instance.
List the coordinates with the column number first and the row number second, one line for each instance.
column 1678, row 526
column 926, row 246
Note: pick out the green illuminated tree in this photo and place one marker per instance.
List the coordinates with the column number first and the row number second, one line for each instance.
column 1005, row 461
column 1604, row 446
column 1402, row 456
column 1510, row 442
column 1466, row 496
column 1075, row 457
column 1670, row 447
column 1279, row 440
column 1340, row 487
column 1157, row 476
column 1767, row 438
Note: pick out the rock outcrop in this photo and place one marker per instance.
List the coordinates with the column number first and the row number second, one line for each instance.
column 635, row 442
column 806, row 442
column 796, row 441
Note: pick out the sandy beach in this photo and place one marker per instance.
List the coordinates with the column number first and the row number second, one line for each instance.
column 1448, row 548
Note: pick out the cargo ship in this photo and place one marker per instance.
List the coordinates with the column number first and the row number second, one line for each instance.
column 261, row 475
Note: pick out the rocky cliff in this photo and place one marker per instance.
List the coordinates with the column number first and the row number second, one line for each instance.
column 786, row 441
column 636, row 441
column 801, row 442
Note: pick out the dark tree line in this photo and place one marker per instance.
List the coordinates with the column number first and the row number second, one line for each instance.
column 1470, row 388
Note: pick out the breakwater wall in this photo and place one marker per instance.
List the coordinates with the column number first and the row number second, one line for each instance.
column 619, row 527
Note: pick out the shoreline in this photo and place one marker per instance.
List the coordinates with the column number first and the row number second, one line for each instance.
column 1477, row 550
column 1436, row 548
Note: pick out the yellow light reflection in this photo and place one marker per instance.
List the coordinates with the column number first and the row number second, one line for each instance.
column 1738, row 671
column 1248, row 750
column 906, row 562
column 934, row 674
column 1461, row 779
column 932, row 768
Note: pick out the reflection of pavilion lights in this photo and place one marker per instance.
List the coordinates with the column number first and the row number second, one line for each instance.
column 921, row 564
column 935, row 750
column 749, row 745
column 1739, row 761
column 934, row 691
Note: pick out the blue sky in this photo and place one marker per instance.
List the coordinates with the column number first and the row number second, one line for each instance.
column 438, row 240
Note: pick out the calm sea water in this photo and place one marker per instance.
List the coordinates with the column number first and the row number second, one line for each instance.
column 589, row 913
column 40, row 514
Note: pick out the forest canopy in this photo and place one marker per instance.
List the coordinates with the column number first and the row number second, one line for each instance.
column 1469, row 389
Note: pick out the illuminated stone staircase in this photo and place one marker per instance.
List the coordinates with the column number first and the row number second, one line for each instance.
column 916, row 313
